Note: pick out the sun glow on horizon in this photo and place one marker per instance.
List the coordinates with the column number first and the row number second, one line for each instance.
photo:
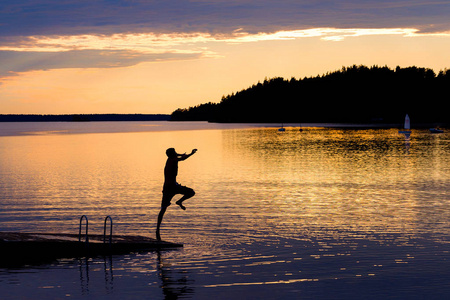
column 158, row 73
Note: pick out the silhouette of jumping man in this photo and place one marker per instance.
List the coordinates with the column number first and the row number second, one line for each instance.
column 171, row 187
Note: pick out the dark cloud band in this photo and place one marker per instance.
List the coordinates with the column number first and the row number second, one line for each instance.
column 16, row 62
column 47, row 17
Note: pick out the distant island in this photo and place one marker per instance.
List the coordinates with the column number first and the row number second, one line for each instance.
column 83, row 117
column 356, row 94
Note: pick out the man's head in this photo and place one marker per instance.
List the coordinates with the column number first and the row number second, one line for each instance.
column 171, row 153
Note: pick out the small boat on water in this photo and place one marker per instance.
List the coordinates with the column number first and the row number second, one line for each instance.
column 436, row 130
column 406, row 127
column 281, row 129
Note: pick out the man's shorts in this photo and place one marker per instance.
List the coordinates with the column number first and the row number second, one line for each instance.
column 169, row 192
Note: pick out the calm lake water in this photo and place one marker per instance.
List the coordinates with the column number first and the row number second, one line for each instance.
column 325, row 213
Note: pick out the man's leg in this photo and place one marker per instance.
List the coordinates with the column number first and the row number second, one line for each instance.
column 165, row 203
column 187, row 193
column 160, row 217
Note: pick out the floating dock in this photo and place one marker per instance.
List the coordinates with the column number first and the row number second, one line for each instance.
column 17, row 248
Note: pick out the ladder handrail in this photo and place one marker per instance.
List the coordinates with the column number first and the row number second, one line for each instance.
column 86, row 234
column 110, row 230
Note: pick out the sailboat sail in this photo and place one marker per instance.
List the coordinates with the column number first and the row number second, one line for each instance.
column 407, row 122
column 406, row 128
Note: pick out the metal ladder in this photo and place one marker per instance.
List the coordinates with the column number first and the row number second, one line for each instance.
column 110, row 230
column 86, row 235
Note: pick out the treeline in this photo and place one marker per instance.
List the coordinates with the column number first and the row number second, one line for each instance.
column 356, row 94
column 83, row 117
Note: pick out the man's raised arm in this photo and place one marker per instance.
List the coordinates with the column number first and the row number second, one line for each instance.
column 185, row 156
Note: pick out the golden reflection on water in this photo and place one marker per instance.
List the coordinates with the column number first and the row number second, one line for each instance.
column 341, row 180
column 58, row 178
column 257, row 181
column 273, row 212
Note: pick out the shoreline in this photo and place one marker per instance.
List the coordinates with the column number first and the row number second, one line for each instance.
column 82, row 117
column 65, row 128
column 103, row 118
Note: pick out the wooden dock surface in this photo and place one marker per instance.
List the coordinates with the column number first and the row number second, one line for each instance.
column 18, row 248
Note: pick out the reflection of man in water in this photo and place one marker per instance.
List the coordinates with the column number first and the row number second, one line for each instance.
column 175, row 284
column 171, row 187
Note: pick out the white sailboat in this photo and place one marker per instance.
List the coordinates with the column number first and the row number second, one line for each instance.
column 407, row 126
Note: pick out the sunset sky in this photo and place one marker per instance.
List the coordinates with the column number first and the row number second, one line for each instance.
column 145, row 56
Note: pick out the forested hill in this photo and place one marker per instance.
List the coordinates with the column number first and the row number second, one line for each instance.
column 356, row 94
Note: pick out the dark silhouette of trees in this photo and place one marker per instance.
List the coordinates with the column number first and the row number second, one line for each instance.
column 355, row 94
